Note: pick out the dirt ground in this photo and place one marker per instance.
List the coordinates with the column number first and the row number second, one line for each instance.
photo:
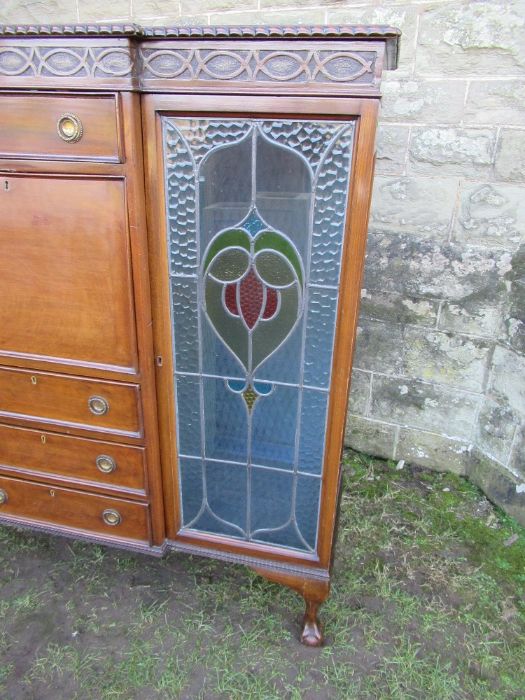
column 428, row 601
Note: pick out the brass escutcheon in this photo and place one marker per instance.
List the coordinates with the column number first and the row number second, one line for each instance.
column 70, row 128
column 98, row 405
column 106, row 464
column 111, row 517
column 3, row 497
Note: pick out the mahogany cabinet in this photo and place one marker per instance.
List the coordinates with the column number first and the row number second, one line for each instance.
column 184, row 216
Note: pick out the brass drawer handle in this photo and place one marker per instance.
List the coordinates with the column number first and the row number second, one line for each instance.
column 3, row 497
column 111, row 517
column 106, row 464
column 70, row 128
column 98, row 405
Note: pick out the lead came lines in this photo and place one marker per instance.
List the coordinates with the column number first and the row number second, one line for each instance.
column 197, row 131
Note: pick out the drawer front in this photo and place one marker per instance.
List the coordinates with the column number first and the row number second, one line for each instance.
column 39, row 126
column 70, row 401
column 48, row 505
column 91, row 461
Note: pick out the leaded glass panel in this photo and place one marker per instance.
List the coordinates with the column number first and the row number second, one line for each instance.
column 256, row 212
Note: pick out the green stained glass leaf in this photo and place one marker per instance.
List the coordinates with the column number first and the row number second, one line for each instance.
column 273, row 240
column 274, row 269
column 229, row 265
column 232, row 237
column 268, row 335
column 231, row 330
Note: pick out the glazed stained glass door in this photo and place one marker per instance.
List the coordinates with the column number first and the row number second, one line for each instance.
column 256, row 212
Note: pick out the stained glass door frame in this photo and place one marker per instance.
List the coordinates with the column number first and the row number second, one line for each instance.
column 364, row 112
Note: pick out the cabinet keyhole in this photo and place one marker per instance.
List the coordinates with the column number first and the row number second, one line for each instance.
column 6, row 185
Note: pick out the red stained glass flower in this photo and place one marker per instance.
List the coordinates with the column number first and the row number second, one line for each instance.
column 251, row 299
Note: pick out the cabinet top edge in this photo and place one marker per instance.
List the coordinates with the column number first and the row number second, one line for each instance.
column 137, row 33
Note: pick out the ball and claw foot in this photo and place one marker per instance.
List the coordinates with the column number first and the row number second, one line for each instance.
column 311, row 635
column 314, row 593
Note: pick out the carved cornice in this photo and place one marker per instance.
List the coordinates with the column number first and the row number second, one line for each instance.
column 327, row 59
column 65, row 30
column 322, row 31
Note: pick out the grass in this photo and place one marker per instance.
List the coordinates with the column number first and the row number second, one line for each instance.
column 428, row 601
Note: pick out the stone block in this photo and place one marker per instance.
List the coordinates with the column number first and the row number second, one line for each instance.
column 472, row 38
column 391, row 145
column 491, row 215
column 446, row 358
column 517, row 457
column 101, row 10
column 497, row 424
column 359, row 392
column 189, row 7
column 419, row 205
column 38, row 11
column 495, row 102
column 292, row 16
column 422, row 353
column 162, row 12
column 380, row 347
column 418, row 404
column 514, row 323
column 271, row 4
column 372, row 437
column 510, row 156
column 413, row 266
column 500, row 485
column 433, row 451
column 396, row 308
column 452, row 151
column 403, row 16
column 477, row 314
column 507, row 384
column 429, row 101
column 183, row 21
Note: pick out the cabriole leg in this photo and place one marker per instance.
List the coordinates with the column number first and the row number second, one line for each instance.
column 314, row 591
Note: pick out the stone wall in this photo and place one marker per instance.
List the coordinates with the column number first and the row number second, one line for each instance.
column 440, row 378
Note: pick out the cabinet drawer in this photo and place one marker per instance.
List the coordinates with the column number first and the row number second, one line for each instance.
column 29, row 127
column 92, row 461
column 49, row 505
column 70, row 401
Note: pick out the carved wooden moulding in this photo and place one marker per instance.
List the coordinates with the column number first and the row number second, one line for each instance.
column 209, row 59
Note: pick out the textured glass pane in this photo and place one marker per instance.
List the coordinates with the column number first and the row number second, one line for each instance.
column 282, row 365
column 216, row 357
column 204, row 135
column 274, row 512
column 185, row 323
column 226, row 490
column 322, row 307
column 274, row 421
column 274, row 518
column 310, row 139
column 225, row 188
column 313, row 425
column 189, row 415
column 180, row 202
column 329, row 211
column 284, row 191
column 191, row 488
column 256, row 223
column 226, row 421
column 307, row 507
